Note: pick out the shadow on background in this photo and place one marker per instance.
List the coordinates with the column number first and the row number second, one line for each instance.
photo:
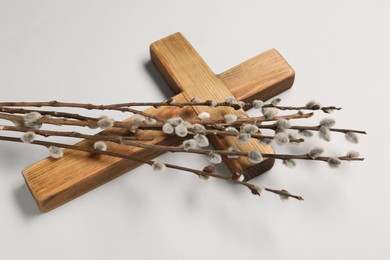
column 26, row 202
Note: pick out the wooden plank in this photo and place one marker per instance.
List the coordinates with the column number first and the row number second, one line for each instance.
column 262, row 77
column 186, row 72
column 54, row 182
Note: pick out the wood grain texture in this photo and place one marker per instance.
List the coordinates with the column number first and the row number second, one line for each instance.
column 54, row 182
column 262, row 77
column 186, row 72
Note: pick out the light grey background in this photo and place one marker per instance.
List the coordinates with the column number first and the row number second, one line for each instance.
column 97, row 51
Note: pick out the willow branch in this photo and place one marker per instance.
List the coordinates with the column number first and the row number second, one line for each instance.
column 313, row 128
column 98, row 137
column 219, row 123
column 324, row 109
column 44, row 112
column 77, row 105
column 165, row 148
column 149, row 162
column 255, row 136
column 236, row 106
column 65, row 121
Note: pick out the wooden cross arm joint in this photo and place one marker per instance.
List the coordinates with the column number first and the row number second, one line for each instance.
column 54, row 182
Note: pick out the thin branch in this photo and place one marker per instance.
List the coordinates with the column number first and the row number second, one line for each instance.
column 149, row 162
column 236, row 106
column 324, row 109
column 219, row 123
column 77, row 105
column 65, row 121
column 98, row 137
column 165, row 148
column 313, row 128
column 44, row 112
column 255, row 136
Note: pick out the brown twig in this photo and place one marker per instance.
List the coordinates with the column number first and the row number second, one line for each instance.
column 65, row 121
column 219, row 123
column 77, row 105
column 314, row 128
column 98, row 137
column 50, row 113
column 220, row 104
column 149, row 162
column 324, row 109
column 128, row 141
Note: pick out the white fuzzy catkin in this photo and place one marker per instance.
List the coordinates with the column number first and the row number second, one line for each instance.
column 305, row 133
column 260, row 190
column 230, row 118
column 324, row 133
column 231, row 129
column 33, row 125
column 230, row 100
column 56, row 152
column 100, row 145
column 334, row 162
column 275, row 101
column 204, row 177
column 282, row 124
column 315, row 152
column 250, row 129
column 198, row 128
column 266, row 141
column 241, row 103
column 181, row 130
column 292, row 136
column 204, row 116
column 241, row 178
column 290, row 163
column 175, row 121
column 213, row 103
column 171, row 101
column 353, row 154
column 214, row 158
column 105, row 122
column 188, row 124
column 167, row 128
column 150, row 120
column 281, row 138
column 233, row 149
column 189, row 144
column 269, row 112
column 255, row 156
column 352, row 137
column 327, row 122
column 196, row 100
column 313, row 105
column 18, row 123
column 284, row 197
column 328, row 110
column 158, row 166
column 244, row 138
column 201, row 140
column 257, row 104
column 138, row 118
column 31, row 117
column 28, row 137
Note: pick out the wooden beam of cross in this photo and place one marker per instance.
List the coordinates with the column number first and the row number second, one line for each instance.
column 55, row 182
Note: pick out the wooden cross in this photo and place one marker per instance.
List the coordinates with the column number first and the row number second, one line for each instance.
column 54, row 182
